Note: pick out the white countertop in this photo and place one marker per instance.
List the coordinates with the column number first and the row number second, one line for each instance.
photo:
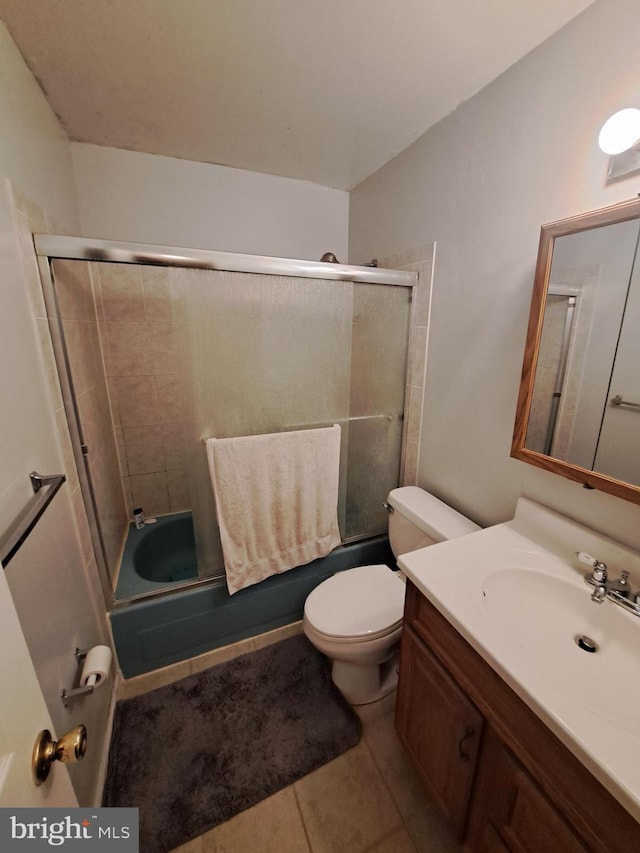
column 516, row 593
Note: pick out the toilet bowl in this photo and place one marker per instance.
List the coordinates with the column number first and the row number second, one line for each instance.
column 355, row 617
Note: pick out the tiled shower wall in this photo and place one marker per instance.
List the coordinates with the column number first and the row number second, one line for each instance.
column 419, row 260
column 136, row 324
column 77, row 313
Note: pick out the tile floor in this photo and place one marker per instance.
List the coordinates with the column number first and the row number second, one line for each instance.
column 368, row 800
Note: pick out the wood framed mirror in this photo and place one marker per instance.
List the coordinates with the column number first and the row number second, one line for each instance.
column 578, row 412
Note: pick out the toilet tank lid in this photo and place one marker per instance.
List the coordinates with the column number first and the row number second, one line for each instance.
column 430, row 514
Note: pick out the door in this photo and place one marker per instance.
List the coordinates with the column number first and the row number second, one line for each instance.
column 23, row 714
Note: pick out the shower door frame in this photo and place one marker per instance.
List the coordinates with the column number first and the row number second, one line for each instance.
column 53, row 247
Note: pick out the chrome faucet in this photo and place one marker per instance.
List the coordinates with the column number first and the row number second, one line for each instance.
column 597, row 578
column 618, row 591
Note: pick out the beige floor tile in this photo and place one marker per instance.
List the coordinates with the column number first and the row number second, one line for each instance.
column 273, row 826
column 428, row 829
column 370, row 714
column 194, row 846
column 345, row 805
column 398, row 842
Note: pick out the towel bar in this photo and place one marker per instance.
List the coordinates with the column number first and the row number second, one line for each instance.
column 389, row 418
column 44, row 487
column 619, row 401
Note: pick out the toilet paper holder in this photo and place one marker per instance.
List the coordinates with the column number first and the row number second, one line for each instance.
column 82, row 689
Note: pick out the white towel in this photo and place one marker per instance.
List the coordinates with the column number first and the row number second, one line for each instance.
column 276, row 500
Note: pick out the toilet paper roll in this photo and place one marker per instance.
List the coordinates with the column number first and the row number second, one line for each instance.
column 96, row 666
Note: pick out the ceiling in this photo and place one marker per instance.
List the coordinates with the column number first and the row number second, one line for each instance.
column 323, row 90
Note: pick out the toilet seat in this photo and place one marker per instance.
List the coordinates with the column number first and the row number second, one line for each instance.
column 359, row 604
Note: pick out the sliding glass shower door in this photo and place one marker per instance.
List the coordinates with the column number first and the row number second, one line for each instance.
column 263, row 353
column 160, row 356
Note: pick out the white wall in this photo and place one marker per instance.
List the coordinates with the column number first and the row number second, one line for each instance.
column 521, row 153
column 34, row 156
column 55, row 591
column 125, row 195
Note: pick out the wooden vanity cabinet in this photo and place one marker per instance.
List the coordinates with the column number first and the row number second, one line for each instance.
column 503, row 780
column 443, row 738
column 509, row 810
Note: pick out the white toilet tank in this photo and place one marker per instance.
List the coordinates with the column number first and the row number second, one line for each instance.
column 420, row 519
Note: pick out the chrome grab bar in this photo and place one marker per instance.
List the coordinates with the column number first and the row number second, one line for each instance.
column 618, row 401
column 44, row 488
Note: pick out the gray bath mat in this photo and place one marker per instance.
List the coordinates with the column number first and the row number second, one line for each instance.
column 194, row 753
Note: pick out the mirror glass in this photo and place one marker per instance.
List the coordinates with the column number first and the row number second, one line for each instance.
column 579, row 404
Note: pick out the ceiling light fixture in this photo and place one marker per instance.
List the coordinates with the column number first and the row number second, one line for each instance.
column 620, row 138
column 620, row 132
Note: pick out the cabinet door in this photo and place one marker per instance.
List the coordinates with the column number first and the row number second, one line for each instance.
column 509, row 811
column 439, row 727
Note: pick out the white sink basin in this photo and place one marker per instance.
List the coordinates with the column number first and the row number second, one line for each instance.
column 516, row 592
column 542, row 616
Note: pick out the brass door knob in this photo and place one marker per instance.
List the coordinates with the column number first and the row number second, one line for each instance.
column 71, row 747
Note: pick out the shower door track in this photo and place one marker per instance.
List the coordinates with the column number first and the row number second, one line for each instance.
column 88, row 249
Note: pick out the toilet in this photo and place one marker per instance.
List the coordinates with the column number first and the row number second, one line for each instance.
column 355, row 617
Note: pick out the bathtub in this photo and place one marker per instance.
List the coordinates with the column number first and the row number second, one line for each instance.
column 160, row 555
column 189, row 620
